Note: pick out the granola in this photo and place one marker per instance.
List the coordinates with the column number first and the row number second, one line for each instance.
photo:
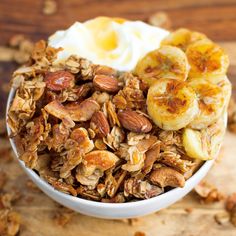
column 86, row 130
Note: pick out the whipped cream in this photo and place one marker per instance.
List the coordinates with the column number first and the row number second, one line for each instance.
column 108, row 41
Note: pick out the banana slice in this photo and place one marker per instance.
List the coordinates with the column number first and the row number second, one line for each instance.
column 165, row 62
column 211, row 102
column 223, row 82
column 206, row 59
column 194, row 146
column 171, row 104
column 182, row 38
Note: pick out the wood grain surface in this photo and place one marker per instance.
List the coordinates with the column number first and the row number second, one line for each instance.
column 216, row 18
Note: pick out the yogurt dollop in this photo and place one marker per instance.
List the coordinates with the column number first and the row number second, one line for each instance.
column 113, row 42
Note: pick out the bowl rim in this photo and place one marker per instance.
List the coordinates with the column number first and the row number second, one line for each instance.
column 207, row 164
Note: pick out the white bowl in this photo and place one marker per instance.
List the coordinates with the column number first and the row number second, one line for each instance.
column 112, row 210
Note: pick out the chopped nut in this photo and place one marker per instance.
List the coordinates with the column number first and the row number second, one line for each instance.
column 166, row 176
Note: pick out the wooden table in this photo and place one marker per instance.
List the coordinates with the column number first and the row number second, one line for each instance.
column 216, row 18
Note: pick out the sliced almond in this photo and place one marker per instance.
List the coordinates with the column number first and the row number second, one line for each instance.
column 135, row 122
column 106, row 83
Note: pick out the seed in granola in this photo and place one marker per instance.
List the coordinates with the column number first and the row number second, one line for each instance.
column 100, row 124
column 59, row 80
column 132, row 121
column 106, row 83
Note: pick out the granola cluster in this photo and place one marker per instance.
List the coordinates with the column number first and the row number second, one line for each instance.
column 85, row 129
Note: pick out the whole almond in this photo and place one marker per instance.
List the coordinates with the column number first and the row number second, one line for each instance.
column 59, row 80
column 100, row 124
column 104, row 70
column 135, row 122
column 106, row 83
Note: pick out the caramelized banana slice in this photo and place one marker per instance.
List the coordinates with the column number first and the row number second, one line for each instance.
column 223, row 82
column 171, row 104
column 165, row 62
column 182, row 38
column 205, row 144
column 211, row 102
column 206, row 59
column 194, row 146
